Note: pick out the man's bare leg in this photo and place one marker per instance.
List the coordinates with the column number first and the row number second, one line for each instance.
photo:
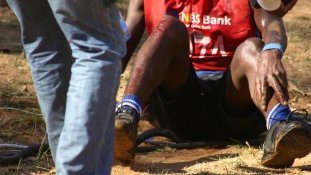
column 162, row 62
column 241, row 80
column 286, row 140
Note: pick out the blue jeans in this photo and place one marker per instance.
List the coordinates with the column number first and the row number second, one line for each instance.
column 74, row 48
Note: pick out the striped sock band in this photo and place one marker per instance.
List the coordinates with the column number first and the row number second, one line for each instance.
column 133, row 102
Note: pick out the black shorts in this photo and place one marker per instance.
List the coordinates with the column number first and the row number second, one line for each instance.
column 196, row 115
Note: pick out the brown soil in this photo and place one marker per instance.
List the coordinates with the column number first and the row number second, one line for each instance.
column 16, row 90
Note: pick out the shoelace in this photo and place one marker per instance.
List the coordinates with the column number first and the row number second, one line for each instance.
column 304, row 110
column 129, row 117
column 118, row 110
column 288, row 119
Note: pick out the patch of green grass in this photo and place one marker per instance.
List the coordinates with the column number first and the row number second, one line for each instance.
column 304, row 18
column 308, row 60
column 10, row 94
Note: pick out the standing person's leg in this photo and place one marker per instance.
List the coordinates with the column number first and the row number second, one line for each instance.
column 287, row 138
column 98, row 44
column 49, row 57
column 162, row 62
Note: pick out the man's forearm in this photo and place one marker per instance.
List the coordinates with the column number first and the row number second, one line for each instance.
column 271, row 28
column 275, row 33
column 136, row 23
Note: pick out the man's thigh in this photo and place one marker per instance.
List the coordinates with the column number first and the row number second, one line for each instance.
column 196, row 113
column 184, row 114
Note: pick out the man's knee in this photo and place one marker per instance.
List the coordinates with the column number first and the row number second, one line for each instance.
column 248, row 52
column 170, row 27
column 251, row 46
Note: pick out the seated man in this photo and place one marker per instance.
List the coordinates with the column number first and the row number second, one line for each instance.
column 215, row 67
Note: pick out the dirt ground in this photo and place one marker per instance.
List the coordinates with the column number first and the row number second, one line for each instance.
column 17, row 91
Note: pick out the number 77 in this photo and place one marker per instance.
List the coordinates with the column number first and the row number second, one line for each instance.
column 206, row 40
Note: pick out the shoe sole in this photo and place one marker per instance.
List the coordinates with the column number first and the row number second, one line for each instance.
column 123, row 149
column 296, row 143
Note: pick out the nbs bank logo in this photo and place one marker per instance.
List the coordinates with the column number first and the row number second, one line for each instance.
column 194, row 20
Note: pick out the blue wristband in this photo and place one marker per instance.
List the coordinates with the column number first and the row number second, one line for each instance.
column 273, row 46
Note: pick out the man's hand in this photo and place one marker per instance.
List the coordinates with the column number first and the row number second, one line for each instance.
column 270, row 75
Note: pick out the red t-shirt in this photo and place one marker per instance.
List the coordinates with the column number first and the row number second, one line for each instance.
column 216, row 27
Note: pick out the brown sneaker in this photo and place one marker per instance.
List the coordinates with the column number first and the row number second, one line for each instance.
column 125, row 135
column 286, row 140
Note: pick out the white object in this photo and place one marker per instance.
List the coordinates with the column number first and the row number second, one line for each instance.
column 269, row 5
